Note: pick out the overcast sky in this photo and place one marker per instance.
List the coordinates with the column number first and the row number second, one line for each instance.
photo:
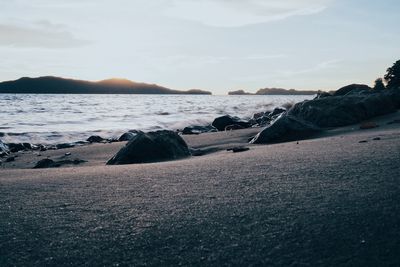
column 217, row 45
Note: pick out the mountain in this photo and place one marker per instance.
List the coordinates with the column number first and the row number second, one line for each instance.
column 57, row 85
column 274, row 91
column 239, row 92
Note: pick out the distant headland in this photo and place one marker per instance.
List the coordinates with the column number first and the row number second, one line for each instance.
column 274, row 91
column 57, row 85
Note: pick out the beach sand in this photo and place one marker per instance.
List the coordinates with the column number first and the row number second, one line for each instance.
column 326, row 201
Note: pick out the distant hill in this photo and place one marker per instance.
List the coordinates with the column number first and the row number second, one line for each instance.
column 56, row 85
column 274, row 91
column 239, row 92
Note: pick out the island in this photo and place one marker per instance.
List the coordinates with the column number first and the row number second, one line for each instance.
column 57, row 85
column 275, row 91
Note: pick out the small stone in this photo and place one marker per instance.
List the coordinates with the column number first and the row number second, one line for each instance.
column 9, row 159
column 68, row 154
column 65, row 145
column 238, row 149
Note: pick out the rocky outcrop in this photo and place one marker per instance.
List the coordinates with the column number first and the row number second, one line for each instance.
column 128, row 135
column 151, row 147
column 15, row 147
column 352, row 89
column 348, row 109
column 222, row 122
column 95, row 139
column 285, row 128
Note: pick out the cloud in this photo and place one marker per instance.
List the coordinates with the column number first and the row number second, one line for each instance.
column 237, row 13
column 40, row 34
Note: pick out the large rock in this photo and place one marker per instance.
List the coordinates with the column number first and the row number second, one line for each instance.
column 285, row 128
column 151, row 147
column 95, row 139
column 221, row 122
column 352, row 89
column 4, row 150
column 344, row 110
column 128, row 135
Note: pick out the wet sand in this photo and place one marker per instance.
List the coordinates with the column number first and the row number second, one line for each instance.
column 326, row 201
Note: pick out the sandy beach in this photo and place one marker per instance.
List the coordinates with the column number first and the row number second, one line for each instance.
column 331, row 200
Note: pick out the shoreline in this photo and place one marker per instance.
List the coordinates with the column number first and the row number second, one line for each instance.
column 201, row 145
column 329, row 200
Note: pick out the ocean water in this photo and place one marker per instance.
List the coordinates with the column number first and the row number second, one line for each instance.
column 51, row 119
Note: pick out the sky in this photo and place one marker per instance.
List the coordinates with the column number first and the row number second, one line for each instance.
column 216, row 45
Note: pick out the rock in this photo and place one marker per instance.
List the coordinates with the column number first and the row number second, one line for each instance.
column 128, row 136
column 345, row 110
column 4, row 150
column 322, row 94
column 352, row 89
column 376, row 139
column 15, row 147
column 394, row 121
column 233, row 127
column 285, row 128
column 261, row 119
column 49, row 163
column 198, row 129
column 45, row 163
column 221, row 122
column 363, row 141
column 95, row 139
column 368, row 125
column 9, row 159
column 238, row 149
column 276, row 111
column 151, row 147
column 64, row 145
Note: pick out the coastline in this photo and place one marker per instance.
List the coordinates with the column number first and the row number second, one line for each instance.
column 329, row 200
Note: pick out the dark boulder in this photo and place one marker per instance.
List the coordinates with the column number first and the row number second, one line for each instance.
column 15, row 147
column 198, row 129
column 221, row 122
column 4, row 150
column 345, row 110
column 285, row 128
column 151, row 147
column 352, row 89
column 260, row 119
column 95, row 139
column 128, row 135
column 10, row 159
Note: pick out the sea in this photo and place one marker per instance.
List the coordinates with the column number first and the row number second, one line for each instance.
column 52, row 119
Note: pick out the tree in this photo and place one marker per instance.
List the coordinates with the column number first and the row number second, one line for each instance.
column 379, row 85
column 392, row 76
